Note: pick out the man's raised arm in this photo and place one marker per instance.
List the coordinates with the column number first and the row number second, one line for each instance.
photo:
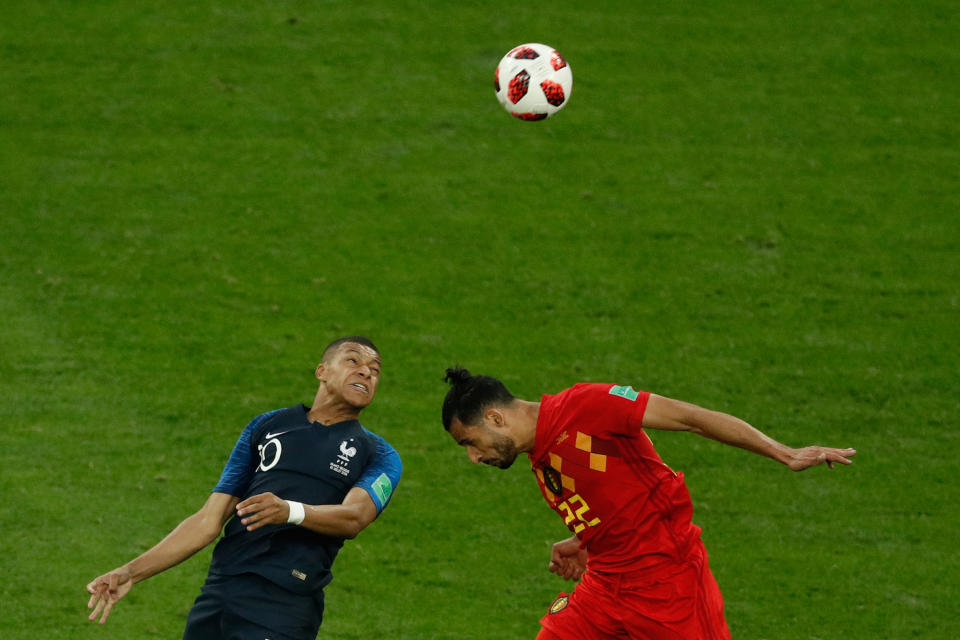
column 674, row 415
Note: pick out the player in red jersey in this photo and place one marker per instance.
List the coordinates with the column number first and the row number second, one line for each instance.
column 643, row 568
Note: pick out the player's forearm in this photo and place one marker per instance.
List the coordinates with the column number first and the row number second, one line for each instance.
column 186, row 539
column 340, row 520
column 733, row 431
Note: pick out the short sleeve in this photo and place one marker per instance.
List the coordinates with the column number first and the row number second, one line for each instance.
column 639, row 400
column 615, row 409
column 242, row 464
column 382, row 475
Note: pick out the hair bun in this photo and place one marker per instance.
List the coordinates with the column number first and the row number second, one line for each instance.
column 457, row 376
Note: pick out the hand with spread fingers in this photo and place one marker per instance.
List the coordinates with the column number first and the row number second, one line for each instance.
column 106, row 590
column 812, row 456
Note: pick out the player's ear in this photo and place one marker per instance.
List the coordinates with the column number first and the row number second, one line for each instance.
column 494, row 418
column 319, row 371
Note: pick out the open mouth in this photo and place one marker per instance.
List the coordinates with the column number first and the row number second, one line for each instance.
column 360, row 387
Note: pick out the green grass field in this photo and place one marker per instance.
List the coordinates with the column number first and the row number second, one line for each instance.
column 749, row 205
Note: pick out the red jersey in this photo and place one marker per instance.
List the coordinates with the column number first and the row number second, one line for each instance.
column 598, row 469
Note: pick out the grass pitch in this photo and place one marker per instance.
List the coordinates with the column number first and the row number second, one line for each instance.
column 750, row 206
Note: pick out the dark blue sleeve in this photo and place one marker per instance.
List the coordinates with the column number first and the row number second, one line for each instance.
column 382, row 475
column 239, row 470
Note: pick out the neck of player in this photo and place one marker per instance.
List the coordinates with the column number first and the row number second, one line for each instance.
column 328, row 410
column 522, row 415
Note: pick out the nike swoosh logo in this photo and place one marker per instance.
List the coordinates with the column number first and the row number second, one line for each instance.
column 279, row 433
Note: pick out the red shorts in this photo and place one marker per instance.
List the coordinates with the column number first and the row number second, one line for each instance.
column 669, row 601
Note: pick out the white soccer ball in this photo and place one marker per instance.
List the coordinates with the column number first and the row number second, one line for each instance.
column 533, row 81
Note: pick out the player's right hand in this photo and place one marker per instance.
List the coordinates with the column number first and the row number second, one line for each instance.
column 568, row 560
column 106, row 590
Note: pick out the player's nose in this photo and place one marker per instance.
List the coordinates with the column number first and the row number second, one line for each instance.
column 474, row 454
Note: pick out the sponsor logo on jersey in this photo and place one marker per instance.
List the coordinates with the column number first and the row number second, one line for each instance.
column 624, row 392
column 560, row 604
column 551, row 478
column 563, row 436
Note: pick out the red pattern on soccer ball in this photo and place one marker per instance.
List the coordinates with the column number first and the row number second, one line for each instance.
column 557, row 61
column 523, row 53
column 529, row 116
column 496, row 79
column 553, row 92
column 518, row 87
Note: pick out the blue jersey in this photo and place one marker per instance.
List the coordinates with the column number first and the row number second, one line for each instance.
column 284, row 453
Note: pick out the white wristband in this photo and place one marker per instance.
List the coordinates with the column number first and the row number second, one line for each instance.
column 297, row 513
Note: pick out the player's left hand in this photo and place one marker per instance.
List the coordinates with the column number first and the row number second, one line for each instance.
column 812, row 456
column 262, row 509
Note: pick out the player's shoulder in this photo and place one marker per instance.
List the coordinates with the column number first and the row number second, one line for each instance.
column 383, row 448
column 285, row 414
column 269, row 419
column 602, row 390
column 594, row 399
column 590, row 388
column 582, row 393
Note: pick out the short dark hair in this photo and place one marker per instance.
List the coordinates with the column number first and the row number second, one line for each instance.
column 361, row 340
column 469, row 396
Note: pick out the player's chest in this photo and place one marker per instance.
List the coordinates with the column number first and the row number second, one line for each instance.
column 333, row 455
column 583, row 481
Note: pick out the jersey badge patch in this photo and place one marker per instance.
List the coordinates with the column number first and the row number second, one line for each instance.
column 560, row 604
column 343, row 459
column 551, row 478
column 624, row 392
column 347, row 451
column 383, row 488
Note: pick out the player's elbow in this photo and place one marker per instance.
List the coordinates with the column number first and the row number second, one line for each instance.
column 703, row 422
column 355, row 521
column 351, row 533
column 208, row 532
column 352, row 527
column 198, row 531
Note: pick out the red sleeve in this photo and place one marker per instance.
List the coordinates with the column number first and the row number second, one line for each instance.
column 612, row 409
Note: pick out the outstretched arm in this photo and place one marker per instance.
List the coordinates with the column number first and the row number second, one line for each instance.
column 190, row 536
column 674, row 415
column 344, row 520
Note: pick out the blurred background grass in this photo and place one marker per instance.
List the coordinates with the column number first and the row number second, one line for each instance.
column 752, row 206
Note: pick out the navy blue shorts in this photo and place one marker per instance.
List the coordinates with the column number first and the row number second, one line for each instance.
column 250, row 607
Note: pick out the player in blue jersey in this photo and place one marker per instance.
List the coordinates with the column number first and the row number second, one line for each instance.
column 298, row 482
